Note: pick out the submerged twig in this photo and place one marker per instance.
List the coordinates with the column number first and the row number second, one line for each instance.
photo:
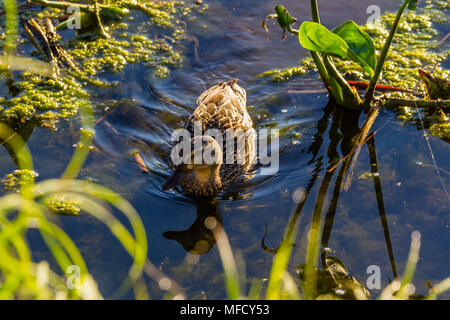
column 45, row 39
column 140, row 162
column 447, row 36
column 103, row 32
column 397, row 102
column 83, row 7
column 196, row 45
column 361, row 139
column 111, row 127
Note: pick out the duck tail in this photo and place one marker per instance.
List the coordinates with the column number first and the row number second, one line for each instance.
column 229, row 83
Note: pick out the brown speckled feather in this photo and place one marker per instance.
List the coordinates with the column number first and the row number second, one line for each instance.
column 222, row 107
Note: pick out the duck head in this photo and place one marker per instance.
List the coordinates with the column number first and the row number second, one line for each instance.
column 199, row 171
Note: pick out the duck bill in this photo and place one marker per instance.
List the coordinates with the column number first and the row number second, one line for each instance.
column 173, row 181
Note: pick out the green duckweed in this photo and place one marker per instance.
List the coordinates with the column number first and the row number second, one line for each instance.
column 49, row 100
column 14, row 181
column 61, row 206
column 442, row 130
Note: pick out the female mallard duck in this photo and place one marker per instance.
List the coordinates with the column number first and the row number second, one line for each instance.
column 221, row 109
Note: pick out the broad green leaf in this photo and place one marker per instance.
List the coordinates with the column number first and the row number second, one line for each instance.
column 315, row 37
column 359, row 42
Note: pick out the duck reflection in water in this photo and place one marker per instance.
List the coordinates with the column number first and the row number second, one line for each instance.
column 198, row 239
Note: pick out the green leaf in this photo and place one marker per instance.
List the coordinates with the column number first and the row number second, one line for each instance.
column 359, row 42
column 412, row 4
column 315, row 37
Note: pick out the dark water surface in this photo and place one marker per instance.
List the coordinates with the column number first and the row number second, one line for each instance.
column 233, row 45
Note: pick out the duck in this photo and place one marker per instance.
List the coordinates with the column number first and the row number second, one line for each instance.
column 221, row 109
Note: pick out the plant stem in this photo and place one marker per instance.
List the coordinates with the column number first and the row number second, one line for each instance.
column 318, row 60
column 314, row 240
column 322, row 70
column 330, row 75
column 347, row 90
column 319, row 64
column 315, row 11
column 316, row 56
column 12, row 25
column 373, row 82
column 417, row 103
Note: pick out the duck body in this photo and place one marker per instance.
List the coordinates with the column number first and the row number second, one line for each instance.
column 220, row 110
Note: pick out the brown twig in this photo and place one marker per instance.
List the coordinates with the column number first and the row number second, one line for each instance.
column 196, row 44
column 361, row 140
column 307, row 91
column 111, row 127
column 445, row 38
column 140, row 162
column 417, row 103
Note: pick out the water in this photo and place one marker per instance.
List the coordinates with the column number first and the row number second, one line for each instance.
column 313, row 135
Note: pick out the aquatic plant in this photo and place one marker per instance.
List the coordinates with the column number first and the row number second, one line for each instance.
column 348, row 42
column 413, row 46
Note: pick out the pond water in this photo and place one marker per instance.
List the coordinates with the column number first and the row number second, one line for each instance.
column 313, row 135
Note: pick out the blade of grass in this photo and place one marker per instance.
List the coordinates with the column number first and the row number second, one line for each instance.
column 12, row 25
column 438, row 289
column 226, row 255
column 313, row 246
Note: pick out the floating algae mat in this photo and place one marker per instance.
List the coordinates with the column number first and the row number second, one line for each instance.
column 28, row 97
column 416, row 45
